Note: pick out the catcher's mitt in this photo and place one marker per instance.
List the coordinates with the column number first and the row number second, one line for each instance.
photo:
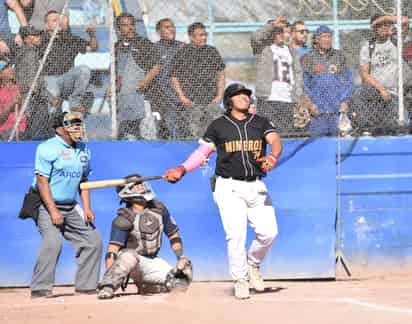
column 301, row 114
column 180, row 277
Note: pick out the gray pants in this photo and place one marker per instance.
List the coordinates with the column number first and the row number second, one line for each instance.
column 71, row 85
column 85, row 239
column 142, row 270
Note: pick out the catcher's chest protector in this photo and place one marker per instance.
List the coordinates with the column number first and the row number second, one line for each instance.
column 146, row 235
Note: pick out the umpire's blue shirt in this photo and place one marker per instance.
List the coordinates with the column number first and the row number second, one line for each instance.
column 64, row 165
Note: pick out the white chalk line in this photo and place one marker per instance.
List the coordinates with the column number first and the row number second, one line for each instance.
column 134, row 299
column 342, row 300
column 162, row 299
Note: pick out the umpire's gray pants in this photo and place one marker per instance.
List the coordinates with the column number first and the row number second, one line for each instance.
column 85, row 239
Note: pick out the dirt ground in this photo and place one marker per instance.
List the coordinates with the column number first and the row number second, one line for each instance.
column 379, row 299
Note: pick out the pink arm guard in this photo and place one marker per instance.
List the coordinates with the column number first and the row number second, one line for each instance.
column 198, row 157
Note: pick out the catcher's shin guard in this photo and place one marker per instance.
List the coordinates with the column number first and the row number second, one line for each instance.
column 126, row 262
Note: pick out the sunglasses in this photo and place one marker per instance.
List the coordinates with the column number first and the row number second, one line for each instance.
column 303, row 31
column 385, row 24
column 5, row 64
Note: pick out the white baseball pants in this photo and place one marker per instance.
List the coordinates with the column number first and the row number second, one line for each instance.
column 240, row 203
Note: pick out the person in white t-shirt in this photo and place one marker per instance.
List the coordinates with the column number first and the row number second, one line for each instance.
column 376, row 101
column 279, row 78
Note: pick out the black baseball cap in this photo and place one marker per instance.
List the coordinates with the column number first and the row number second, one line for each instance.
column 29, row 30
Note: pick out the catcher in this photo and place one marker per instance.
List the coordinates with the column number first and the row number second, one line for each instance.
column 136, row 238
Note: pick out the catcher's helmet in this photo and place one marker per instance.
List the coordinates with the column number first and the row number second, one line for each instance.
column 129, row 194
column 231, row 91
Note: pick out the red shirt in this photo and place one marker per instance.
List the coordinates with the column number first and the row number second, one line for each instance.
column 407, row 52
column 7, row 96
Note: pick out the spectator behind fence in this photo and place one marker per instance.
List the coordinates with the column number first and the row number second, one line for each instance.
column 10, row 101
column 65, row 81
column 407, row 55
column 27, row 6
column 7, row 40
column 41, row 8
column 299, row 38
column 198, row 78
column 163, row 97
column 279, row 78
column 27, row 65
column 328, row 82
column 376, row 100
column 137, row 63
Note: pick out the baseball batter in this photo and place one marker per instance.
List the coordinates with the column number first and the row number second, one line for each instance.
column 240, row 139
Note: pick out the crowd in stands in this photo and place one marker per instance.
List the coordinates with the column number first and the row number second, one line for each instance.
column 184, row 82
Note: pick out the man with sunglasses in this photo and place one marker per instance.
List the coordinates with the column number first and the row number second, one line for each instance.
column 299, row 38
column 376, row 101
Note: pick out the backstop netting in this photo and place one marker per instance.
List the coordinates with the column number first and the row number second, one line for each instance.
column 137, row 73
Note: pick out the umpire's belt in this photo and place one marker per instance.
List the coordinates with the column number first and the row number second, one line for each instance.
column 247, row 179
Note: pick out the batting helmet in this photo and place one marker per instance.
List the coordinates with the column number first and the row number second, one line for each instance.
column 128, row 194
column 233, row 90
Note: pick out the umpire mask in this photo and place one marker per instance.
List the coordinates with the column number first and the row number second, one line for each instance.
column 136, row 192
column 73, row 123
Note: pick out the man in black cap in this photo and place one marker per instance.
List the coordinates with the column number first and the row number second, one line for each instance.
column 61, row 164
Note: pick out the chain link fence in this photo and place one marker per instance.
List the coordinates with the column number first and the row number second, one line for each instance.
column 148, row 78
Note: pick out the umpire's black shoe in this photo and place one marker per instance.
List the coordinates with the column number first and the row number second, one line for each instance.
column 41, row 293
column 85, row 291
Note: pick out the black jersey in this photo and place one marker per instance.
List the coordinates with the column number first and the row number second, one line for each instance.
column 238, row 144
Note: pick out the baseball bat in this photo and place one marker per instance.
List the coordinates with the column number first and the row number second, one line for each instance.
column 89, row 185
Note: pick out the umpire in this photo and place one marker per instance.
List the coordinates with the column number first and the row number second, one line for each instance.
column 62, row 162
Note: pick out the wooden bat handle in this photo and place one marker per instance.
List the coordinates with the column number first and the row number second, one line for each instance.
column 102, row 184
column 115, row 182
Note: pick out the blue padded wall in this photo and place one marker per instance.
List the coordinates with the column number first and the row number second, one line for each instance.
column 303, row 190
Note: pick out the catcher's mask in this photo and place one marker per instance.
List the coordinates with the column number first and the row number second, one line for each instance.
column 135, row 192
column 73, row 123
column 233, row 90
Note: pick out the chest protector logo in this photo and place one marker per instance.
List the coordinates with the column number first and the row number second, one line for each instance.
column 147, row 233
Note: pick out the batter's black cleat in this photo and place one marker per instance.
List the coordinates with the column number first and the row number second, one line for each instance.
column 41, row 293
